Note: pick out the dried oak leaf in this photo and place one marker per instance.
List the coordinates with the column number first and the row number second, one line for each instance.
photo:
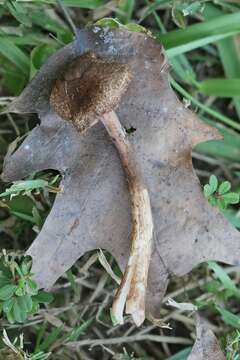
column 93, row 209
column 206, row 346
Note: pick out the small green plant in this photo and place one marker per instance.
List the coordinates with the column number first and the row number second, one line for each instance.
column 233, row 346
column 25, row 187
column 219, row 195
column 14, row 350
column 19, row 294
column 183, row 8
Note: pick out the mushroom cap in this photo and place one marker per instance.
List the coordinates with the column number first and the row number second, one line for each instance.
column 89, row 88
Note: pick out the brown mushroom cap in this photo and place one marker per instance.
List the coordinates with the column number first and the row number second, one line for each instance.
column 89, row 88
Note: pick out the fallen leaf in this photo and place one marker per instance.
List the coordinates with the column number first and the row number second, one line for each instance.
column 206, row 346
column 93, row 209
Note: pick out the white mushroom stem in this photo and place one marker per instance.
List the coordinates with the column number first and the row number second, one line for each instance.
column 132, row 290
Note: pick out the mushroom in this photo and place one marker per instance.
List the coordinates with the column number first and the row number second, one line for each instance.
column 89, row 91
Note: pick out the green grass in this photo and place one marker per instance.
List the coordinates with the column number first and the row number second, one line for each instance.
column 205, row 56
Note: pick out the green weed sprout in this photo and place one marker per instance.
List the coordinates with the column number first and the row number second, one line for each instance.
column 233, row 346
column 14, row 350
column 219, row 195
column 19, row 294
column 25, row 187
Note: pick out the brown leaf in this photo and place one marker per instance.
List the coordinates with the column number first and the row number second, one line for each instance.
column 93, row 210
column 206, row 345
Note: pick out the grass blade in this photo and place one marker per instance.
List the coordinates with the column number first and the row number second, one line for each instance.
column 126, row 7
column 220, row 87
column 224, row 278
column 15, row 55
column 85, row 4
column 229, row 318
column 229, row 54
column 179, row 41
column 50, row 339
column 181, row 355
column 152, row 8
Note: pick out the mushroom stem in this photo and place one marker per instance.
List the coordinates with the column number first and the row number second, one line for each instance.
column 132, row 290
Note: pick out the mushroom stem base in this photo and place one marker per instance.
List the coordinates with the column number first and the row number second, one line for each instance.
column 132, row 290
